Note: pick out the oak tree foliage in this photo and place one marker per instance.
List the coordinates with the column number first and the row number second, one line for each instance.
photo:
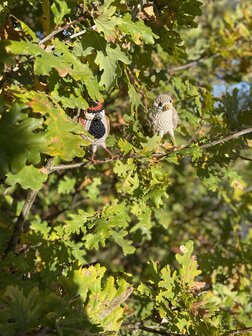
column 144, row 243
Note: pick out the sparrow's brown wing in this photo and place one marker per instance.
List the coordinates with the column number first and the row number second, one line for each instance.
column 107, row 126
column 152, row 113
column 175, row 118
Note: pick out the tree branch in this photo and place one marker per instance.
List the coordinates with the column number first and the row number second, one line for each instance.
column 82, row 32
column 157, row 155
column 187, row 65
column 183, row 67
column 19, row 225
column 245, row 158
column 60, row 29
column 158, row 332
column 153, row 330
column 227, row 138
column 49, row 169
column 239, row 331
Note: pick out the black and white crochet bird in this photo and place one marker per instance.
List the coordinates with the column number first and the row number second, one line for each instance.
column 164, row 117
column 97, row 124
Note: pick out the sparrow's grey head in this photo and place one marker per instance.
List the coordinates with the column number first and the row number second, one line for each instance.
column 163, row 102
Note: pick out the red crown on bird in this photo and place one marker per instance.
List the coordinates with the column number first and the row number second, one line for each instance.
column 95, row 107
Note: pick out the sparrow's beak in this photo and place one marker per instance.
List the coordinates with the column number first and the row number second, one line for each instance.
column 167, row 106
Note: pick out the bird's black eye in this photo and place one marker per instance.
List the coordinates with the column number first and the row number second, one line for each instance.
column 160, row 104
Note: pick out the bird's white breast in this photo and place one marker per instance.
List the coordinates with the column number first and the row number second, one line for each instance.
column 162, row 121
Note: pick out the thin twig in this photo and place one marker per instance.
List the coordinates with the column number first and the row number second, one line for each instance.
column 183, row 67
column 227, row 138
column 19, row 225
column 155, row 155
column 82, row 32
column 60, row 29
column 239, row 331
column 158, row 332
column 245, row 158
column 190, row 64
column 153, row 330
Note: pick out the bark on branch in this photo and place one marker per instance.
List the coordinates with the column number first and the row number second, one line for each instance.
column 157, row 155
column 239, row 331
column 60, row 29
column 49, row 168
column 19, row 225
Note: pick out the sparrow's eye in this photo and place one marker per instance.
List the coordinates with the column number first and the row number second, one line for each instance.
column 160, row 104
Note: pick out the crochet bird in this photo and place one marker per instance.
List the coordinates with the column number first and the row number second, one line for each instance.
column 97, row 124
column 164, row 117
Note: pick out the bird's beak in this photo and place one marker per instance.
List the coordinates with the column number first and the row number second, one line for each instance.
column 167, row 106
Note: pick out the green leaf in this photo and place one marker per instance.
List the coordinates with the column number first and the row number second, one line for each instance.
column 42, row 227
column 152, row 273
column 59, row 9
column 66, row 185
column 88, row 279
column 63, row 134
column 77, row 70
column 25, row 310
column 125, row 244
column 94, row 189
column 108, row 63
column 112, row 224
column 76, row 222
column 189, row 266
column 151, row 143
column 45, row 61
column 143, row 214
column 166, row 285
column 156, row 194
column 26, row 29
column 104, row 306
column 134, row 98
column 130, row 177
column 211, row 181
column 106, row 22
column 137, row 30
column 19, row 143
column 144, row 290
column 29, row 178
column 125, row 146
column 103, row 299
